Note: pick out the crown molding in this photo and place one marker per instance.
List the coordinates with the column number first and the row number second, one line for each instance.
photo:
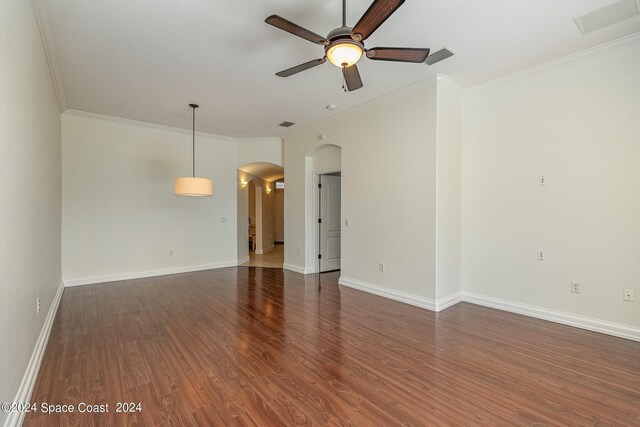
column 425, row 83
column 139, row 123
column 428, row 82
column 48, row 42
column 457, row 88
column 592, row 52
column 261, row 139
column 147, row 125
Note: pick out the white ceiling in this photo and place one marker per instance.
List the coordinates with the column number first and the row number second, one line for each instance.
column 267, row 171
column 148, row 59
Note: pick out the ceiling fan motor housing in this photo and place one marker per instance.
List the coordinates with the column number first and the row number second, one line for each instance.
column 340, row 32
column 340, row 37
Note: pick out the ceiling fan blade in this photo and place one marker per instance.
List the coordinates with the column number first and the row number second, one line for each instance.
column 295, row 29
column 378, row 12
column 399, row 54
column 352, row 78
column 298, row 68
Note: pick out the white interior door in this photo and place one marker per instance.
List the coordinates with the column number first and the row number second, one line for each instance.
column 329, row 223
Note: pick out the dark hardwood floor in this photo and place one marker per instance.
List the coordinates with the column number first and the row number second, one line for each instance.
column 250, row 346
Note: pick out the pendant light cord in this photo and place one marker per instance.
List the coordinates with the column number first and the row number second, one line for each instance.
column 193, row 151
column 344, row 13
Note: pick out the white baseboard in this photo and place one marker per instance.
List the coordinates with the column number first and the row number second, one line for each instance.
column 448, row 301
column 25, row 390
column 243, row 260
column 296, row 268
column 265, row 250
column 404, row 297
column 582, row 322
column 564, row 318
column 152, row 273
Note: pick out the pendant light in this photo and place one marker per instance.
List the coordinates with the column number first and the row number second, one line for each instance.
column 190, row 185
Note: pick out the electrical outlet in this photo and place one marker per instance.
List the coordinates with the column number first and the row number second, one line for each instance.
column 346, row 222
column 299, row 251
column 541, row 255
column 381, row 267
column 38, row 305
column 628, row 295
column 171, row 252
column 575, row 287
column 542, row 181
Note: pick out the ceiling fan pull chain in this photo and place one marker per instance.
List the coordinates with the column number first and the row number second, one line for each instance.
column 344, row 79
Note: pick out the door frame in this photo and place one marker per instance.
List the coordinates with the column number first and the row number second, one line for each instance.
column 315, row 236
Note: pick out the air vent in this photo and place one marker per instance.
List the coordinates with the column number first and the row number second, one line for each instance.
column 438, row 56
column 286, row 124
column 608, row 15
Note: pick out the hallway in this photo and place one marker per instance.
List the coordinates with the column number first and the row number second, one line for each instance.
column 272, row 259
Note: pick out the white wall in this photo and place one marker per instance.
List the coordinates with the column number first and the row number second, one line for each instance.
column 388, row 146
column 448, row 192
column 577, row 123
column 120, row 215
column 327, row 159
column 30, row 189
column 269, row 150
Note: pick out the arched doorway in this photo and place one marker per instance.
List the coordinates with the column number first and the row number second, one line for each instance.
column 323, row 215
column 257, row 215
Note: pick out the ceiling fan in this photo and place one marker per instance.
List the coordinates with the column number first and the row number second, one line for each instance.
column 344, row 46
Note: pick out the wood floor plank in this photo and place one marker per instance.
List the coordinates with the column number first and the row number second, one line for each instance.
column 263, row 347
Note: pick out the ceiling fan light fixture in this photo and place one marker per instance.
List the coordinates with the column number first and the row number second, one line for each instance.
column 344, row 46
column 344, row 53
